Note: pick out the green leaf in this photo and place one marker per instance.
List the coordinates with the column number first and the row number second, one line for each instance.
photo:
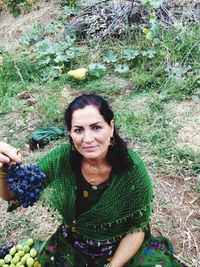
column 45, row 61
column 149, row 53
column 49, row 74
column 60, row 57
column 152, row 3
column 42, row 48
column 76, row 50
column 155, row 29
column 70, row 11
column 96, row 69
column 48, row 134
column 152, row 18
column 110, row 57
column 156, row 3
column 122, row 68
column 130, row 54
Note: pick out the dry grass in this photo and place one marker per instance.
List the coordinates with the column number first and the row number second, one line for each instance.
column 176, row 213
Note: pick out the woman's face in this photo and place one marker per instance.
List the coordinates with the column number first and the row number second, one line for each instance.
column 90, row 133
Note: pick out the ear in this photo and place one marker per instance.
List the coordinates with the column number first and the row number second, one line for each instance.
column 112, row 125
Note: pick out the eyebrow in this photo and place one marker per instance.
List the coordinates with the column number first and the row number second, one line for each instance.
column 91, row 125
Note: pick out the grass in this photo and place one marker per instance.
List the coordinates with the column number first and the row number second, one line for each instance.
column 142, row 111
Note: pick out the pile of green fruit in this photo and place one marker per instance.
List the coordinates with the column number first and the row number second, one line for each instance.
column 21, row 255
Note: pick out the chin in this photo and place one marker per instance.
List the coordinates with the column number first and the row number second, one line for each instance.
column 92, row 155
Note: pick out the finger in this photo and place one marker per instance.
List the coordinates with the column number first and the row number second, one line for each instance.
column 4, row 159
column 9, row 153
column 14, row 156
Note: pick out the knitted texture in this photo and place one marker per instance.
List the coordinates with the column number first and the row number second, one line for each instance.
column 124, row 207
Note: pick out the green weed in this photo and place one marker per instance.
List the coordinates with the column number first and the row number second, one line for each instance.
column 14, row 6
column 48, row 111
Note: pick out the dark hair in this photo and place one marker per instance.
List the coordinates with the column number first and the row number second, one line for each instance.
column 117, row 154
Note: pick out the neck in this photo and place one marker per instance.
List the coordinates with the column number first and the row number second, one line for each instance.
column 95, row 171
column 95, row 162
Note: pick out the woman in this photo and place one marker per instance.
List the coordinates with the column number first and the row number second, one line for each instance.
column 103, row 192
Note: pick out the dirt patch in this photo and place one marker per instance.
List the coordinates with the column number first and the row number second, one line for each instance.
column 11, row 28
column 125, row 86
column 176, row 215
column 187, row 114
column 25, row 223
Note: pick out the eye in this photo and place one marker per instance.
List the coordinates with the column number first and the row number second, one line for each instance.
column 78, row 130
column 96, row 127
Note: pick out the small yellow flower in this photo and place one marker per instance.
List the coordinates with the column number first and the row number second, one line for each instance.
column 146, row 31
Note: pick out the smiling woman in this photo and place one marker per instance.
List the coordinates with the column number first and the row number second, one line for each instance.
column 103, row 193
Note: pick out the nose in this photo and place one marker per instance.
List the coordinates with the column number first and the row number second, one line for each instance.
column 88, row 137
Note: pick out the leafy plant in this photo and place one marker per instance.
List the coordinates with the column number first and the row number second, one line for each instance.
column 110, row 57
column 96, row 69
column 129, row 54
column 38, row 32
column 122, row 68
column 14, row 6
column 69, row 3
column 49, row 74
column 70, row 11
column 152, row 3
column 149, row 53
column 35, row 35
column 56, row 53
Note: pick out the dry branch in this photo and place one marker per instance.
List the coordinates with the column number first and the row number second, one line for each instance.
column 110, row 18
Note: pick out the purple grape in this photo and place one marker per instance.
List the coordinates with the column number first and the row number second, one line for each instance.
column 25, row 182
column 4, row 249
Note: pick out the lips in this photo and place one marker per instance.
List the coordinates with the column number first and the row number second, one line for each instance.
column 89, row 148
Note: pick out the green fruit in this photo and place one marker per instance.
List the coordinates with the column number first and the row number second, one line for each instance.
column 12, row 265
column 30, row 262
column 5, row 265
column 21, row 253
column 33, row 252
column 18, row 264
column 26, row 256
column 7, row 258
column 13, row 250
column 30, row 242
column 2, row 262
column 16, row 259
column 23, row 260
column 26, row 248
column 19, row 247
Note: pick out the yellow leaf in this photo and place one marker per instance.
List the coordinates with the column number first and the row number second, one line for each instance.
column 145, row 31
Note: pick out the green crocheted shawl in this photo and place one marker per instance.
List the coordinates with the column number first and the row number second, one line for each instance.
column 124, row 207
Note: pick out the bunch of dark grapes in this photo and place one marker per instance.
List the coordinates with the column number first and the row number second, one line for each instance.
column 4, row 249
column 25, row 182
